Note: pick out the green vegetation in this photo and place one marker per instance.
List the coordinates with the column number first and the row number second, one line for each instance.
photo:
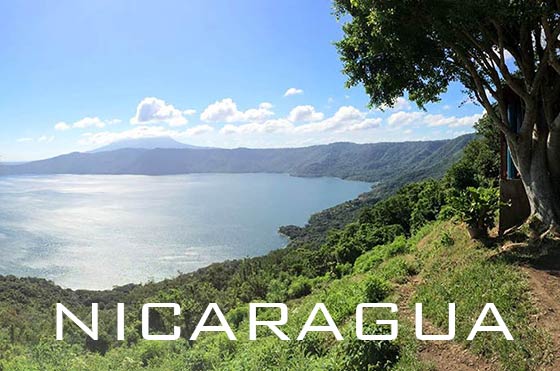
column 406, row 248
column 420, row 48
column 476, row 207
column 449, row 269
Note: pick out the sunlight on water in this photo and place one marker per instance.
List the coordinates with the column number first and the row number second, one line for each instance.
column 99, row 231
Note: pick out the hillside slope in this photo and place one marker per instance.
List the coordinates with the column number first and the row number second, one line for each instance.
column 379, row 162
column 437, row 265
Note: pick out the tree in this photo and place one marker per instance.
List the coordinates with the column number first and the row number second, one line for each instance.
column 497, row 49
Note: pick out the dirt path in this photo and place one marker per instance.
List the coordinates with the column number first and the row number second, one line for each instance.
column 444, row 355
column 545, row 293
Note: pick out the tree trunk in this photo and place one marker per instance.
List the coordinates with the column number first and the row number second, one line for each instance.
column 536, row 159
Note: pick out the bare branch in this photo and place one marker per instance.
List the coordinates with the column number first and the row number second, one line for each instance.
column 485, row 60
column 481, row 96
column 504, row 70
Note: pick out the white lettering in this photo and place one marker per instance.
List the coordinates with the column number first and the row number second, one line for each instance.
column 419, row 332
column 330, row 328
column 62, row 311
column 360, row 322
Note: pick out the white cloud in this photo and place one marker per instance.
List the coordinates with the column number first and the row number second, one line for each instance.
column 346, row 119
column 400, row 104
column 84, row 123
column 269, row 126
column 305, row 114
column 87, row 122
column 402, row 118
column 364, row 125
column 303, row 125
column 144, row 131
column 113, row 121
column 61, row 126
column 222, row 111
column 293, row 91
column 45, row 139
column 452, row 121
column 226, row 111
column 153, row 110
column 230, row 129
column 41, row 139
column 198, row 130
column 259, row 114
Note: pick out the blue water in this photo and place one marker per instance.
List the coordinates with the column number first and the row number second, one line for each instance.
column 96, row 232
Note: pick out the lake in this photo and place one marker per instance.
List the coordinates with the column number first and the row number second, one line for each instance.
column 95, row 232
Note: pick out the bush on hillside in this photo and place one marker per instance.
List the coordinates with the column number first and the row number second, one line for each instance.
column 357, row 238
column 476, row 207
column 370, row 355
column 376, row 289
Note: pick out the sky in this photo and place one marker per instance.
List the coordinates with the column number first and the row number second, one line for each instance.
column 77, row 75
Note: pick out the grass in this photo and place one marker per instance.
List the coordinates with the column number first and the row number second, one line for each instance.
column 449, row 267
column 456, row 269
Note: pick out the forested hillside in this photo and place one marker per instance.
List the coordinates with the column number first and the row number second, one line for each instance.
column 378, row 162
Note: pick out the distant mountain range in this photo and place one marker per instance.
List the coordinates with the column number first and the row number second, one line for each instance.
column 378, row 162
column 145, row 143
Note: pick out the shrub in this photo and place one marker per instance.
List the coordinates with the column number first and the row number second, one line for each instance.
column 369, row 355
column 300, row 286
column 397, row 247
column 369, row 260
column 372, row 259
column 277, row 292
column 396, row 269
column 150, row 351
column 430, row 201
column 237, row 315
column 476, row 207
column 343, row 269
column 446, row 239
column 356, row 238
column 376, row 289
column 100, row 346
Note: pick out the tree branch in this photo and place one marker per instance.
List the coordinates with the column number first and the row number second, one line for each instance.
column 486, row 61
column 528, row 53
column 480, row 93
column 504, row 70
column 553, row 42
column 547, row 53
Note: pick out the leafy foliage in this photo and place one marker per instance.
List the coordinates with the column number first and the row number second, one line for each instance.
column 477, row 207
column 394, row 47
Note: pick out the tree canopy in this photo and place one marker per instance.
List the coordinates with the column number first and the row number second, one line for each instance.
column 499, row 50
